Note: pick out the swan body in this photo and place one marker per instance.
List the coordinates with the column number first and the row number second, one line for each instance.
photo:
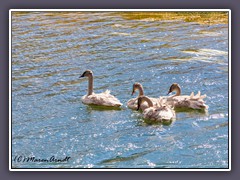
column 133, row 103
column 102, row 99
column 156, row 113
column 184, row 101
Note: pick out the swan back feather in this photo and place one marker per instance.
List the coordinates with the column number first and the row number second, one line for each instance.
column 158, row 112
column 103, row 99
column 184, row 101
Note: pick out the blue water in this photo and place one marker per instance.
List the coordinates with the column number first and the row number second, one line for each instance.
column 51, row 50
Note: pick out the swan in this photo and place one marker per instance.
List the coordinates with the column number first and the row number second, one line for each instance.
column 102, row 99
column 133, row 103
column 184, row 101
column 156, row 113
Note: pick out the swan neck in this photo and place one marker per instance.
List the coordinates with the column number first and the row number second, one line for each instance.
column 150, row 104
column 140, row 88
column 178, row 91
column 90, row 84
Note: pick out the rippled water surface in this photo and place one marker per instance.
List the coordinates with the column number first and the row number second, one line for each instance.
column 51, row 50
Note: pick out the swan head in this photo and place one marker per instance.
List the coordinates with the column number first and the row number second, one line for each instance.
column 86, row 73
column 174, row 87
column 135, row 87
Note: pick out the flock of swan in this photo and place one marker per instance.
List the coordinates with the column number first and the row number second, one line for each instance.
column 154, row 109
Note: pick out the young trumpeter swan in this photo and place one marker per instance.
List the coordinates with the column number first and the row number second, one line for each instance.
column 156, row 113
column 103, row 99
column 133, row 103
column 185, row 101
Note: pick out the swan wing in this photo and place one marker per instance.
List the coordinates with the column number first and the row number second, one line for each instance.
column 103, row 99
column 193, row 102
column 192, row 95
column 199, row 104
column 159, row 113
column 132, row 103
column 106, row 92
column 166, row 114
column 198, row 96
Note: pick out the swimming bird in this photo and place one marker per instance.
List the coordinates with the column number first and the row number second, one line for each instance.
column 184, row 101
column 102, row 99
column 162, row 112
column 133, row 103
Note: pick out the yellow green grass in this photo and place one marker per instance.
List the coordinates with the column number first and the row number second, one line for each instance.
column 208, row 17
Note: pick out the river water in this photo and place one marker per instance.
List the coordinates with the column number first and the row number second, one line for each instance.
column 50, row 50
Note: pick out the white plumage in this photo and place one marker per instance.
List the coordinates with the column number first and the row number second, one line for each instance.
column 185, row 101
column 156, row 113
column 133, row 103
column 102, row 99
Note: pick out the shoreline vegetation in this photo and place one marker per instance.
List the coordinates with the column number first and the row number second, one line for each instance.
column 200, row 17
column 209, row 18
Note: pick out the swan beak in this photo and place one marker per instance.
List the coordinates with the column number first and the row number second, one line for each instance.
column 81, row 75
column 169, row 92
